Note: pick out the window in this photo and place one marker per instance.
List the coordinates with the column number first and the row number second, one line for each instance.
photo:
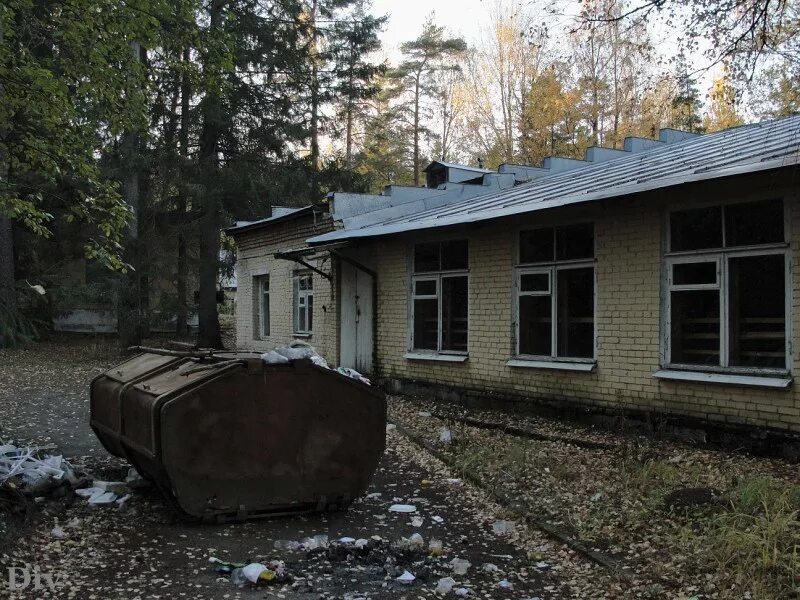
column 726, row 287
column 439, row 297
column 303, row 303
column 261, row 306
column 555, row 292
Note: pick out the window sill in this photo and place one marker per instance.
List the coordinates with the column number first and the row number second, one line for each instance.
column 304, row 336
column 436, row 357
column 778, row 383
column 557, row 365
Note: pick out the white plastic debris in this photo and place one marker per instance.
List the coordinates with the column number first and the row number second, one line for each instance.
column 462, row 592
column 424, row 413
column 489, row 568
column 273, row 358
column 416, row 541
column 286, row 545
column 445, row 585
column 403, row 508
column 541, row 565
column 504, row 527
column 319, row 361
column 445, row 435
column 120, row 502
column 252, row 571
column 453, row 481
column 34, row 471
column 406, row 578
column 390, row 426
column 417, row 521
column 102, row 499
column 353, row 374
column 318, row 541
column 361, row 543
column 437, row 519
column 460, row 566
column 505, row 584
column 134, row 481
column 373, row 496
column 347, row 540
column 435, row 547
column 58, row 533
column 110, row 486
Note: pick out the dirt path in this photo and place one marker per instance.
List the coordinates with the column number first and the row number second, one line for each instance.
column 142, row 551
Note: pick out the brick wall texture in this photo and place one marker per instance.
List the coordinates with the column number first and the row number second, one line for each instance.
column 629, row 235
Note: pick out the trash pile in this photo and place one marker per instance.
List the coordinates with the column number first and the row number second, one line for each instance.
column 33, row 472
column 300, row 350
column 405, row 562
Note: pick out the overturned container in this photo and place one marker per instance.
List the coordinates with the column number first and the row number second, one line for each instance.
column 225, row 436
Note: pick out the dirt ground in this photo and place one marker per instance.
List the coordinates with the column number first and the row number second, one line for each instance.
column 142, row 551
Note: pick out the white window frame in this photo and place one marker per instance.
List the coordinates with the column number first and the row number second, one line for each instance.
column 722, row 257
column 552, row 268
column 301, row 299
column 263, row 316
column 436, row 276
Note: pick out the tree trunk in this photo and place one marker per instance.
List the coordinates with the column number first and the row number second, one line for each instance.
column 8, row 295
column 130, row 315
column 208, row 317
column 314, row 90
column 182, row 311
column 416, row 130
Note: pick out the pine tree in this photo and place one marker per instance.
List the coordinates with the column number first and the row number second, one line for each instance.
column 686, row 104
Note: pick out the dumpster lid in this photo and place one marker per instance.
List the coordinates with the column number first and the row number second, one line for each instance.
column 136, row 366
column 182, row 376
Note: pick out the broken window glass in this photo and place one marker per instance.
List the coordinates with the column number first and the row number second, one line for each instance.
column 454, row 313
column 576, row 313
column 757, row 303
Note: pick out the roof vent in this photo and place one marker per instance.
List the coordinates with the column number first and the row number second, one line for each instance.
column 672, row 136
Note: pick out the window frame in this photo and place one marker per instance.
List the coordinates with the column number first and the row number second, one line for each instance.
column 263, row 317
column 298, row 295
column 552, row 268
column 436, row 276
column 722, row 256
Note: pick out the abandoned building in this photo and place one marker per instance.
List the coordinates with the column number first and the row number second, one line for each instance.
column 658, row 279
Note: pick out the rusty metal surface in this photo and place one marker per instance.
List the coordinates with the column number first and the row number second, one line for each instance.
column 243, row 439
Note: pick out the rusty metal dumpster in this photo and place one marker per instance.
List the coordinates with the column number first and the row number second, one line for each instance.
column 225, row 436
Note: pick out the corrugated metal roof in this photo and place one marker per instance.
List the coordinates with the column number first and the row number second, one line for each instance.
column 745, row 149
column 284, row 213
column 450, row 165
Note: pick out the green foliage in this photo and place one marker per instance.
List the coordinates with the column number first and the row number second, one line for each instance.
column 70, row 86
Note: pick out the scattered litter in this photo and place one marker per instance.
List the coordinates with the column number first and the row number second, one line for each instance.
column 390, row 426
column 32, row 471
column 417, row 521
column 406, row 578
column 361, row 543
column 253, row 571
column 373, row 496
column 489, row 568
column 460, row 566
column 347, row 540
column 445, row 435
column 109, row 486
column 415, row 542
column 102, row 498
column 58, row 533
column 403, row 508
column 462, row 592
column 445, row 585
column 134, row 480
column 504, row 527
column 120, row 502
column 453, row 481
column 437, row 519
column 505, row 584
column 435, row 547
column 596, row 497
column 424, row 413
column 312, row 543
column 298, row 350
column 541, row 565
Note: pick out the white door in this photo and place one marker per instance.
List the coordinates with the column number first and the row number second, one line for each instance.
column 356, row 319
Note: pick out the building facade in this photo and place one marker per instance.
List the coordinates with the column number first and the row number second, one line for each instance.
column 676, row 299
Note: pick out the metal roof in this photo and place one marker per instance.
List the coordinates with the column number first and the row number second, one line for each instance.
column 284, row 213
column 450, row 165
column 745, row 149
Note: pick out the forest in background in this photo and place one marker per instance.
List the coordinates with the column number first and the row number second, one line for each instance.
column 132, row 131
